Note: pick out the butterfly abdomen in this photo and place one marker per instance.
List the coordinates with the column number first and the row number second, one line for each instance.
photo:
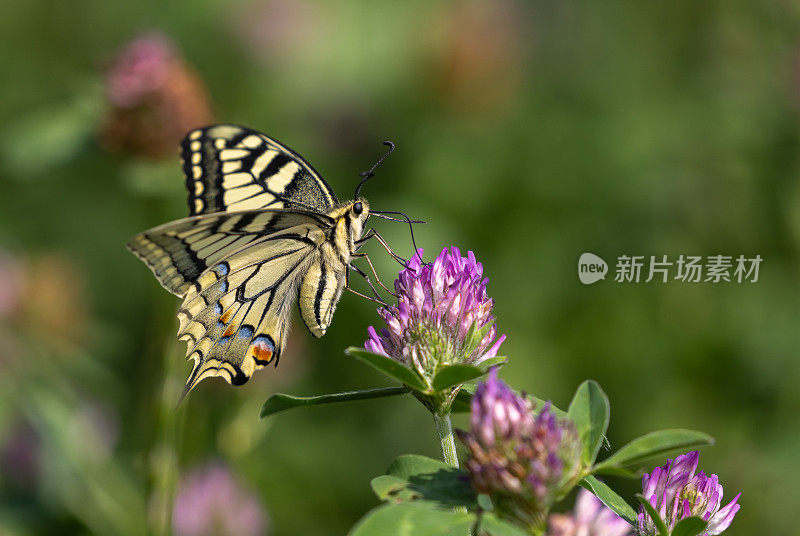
column 320, row 290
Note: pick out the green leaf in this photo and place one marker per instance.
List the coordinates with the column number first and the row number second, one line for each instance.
column 494, row 526
column 390, row 367
column 408, row 520
column 689, row 526
column 653, row 445
column 495, row 361
column 610, row 498
column 461, row 404
column 282, row 402
column 419, row 478
column 539, row 404
column 409, row 465
column 657, row 521
column 623, row 472
column 446, row 488
column 590, row 411
column 393, row 489
column 452, row 375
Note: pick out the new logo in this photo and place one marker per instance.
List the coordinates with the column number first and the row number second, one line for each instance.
column 591, row 268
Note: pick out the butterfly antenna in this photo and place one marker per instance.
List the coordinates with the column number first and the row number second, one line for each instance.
column 380, row 214
column 370, row 173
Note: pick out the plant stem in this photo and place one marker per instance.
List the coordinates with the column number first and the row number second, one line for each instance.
column 445, row 430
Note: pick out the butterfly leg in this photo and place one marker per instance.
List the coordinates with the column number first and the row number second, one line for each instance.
column 372, row 269
column 372, row 233
column 360, row 272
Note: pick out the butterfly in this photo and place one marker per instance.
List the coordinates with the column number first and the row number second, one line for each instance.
column 264, row 230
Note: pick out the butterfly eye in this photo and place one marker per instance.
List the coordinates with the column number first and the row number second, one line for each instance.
column 358, row 208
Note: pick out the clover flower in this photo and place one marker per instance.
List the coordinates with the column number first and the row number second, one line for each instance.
column 589, row 518
column 211, row 502
column 155, row 98
column 443, row 315
column 523, row 461
column 676, row 492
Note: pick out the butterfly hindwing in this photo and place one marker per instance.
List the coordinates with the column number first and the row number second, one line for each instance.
column 235, row 318
column 231, row 168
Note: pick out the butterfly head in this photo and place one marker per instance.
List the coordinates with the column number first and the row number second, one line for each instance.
column 358, row 213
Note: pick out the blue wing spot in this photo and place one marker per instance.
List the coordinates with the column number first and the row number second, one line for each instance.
column 223, row 286
column 265, row 339
column 218, row 308
column 222, row 269
column 224, row 340
column 245, row 332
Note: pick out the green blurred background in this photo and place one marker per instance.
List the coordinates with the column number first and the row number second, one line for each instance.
column 528, row 132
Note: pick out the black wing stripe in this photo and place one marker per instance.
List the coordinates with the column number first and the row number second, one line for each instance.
column 320, row 292
column 274, row 166
column 179, row 255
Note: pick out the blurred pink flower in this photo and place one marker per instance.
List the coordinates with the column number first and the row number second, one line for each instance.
column 140, row 70
column 155, row 98
column 211, row 502
column 19, row 454
column 589, row 518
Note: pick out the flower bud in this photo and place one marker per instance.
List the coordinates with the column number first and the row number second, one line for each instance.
column 524, row 462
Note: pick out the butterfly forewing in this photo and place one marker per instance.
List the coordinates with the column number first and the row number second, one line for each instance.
column 231, row 168
column 178, row 252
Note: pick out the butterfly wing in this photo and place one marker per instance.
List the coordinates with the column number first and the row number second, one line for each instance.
column 235, row 313
column 236, row 317
column 232, row 168
column 258, row 236
column 180, row 251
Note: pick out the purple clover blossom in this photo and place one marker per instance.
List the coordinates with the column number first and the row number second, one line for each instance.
column 676, row 492
column 211, row 502
column 521, row 460
column 589, row 518
column 443, row 315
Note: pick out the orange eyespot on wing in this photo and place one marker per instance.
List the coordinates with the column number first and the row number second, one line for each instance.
column 262, row 349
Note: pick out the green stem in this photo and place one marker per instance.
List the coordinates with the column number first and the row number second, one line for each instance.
column 446, row 437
